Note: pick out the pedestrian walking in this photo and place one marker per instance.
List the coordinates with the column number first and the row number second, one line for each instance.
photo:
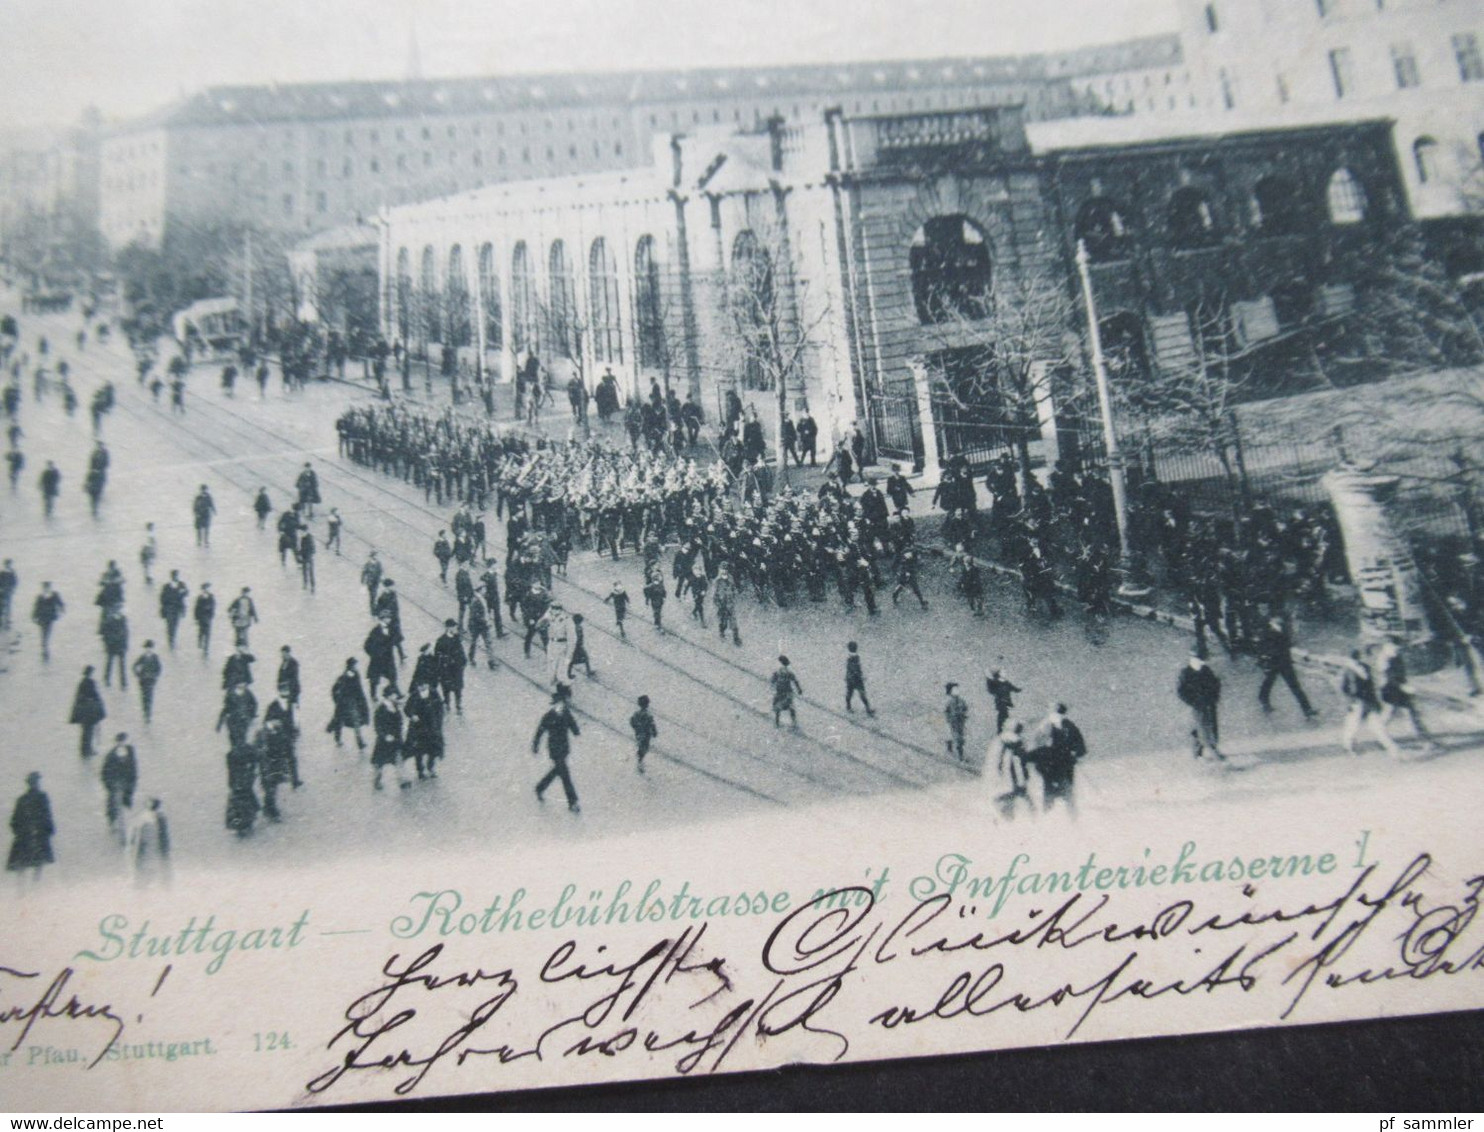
column 1275, row 658
column 288, row 535
column 203, row 510
column 307, row 486
column 618, row 597
column 1363, row 700
column 424, row 743
column 243, row 807
column 9, row 582
column 275, row 756
column 239, row 710
column 147, row 843
column 174, row 596
column 262, row 507
column 489, row 583
column 243, row 615
column 350, row 708
column 51, row 487
column 443, row 552
column 306, row 559
column 371, row 579
column 463, row 588
column 46, row 611
column 450, row 661
column 287, row 681
column 147, row 669
column 1003, row 692
column 238, row 668
column 31, row 829
column 204, row 613
column 1396, row 693
column 558, row 726
column 387, row 750
column 148, row 553
column 956, row 716
column 381, row 656
column 333, row 524
column 1058, row 748
column 1199, row 688
column 785, row 686
column 645, row 732
column 724, row 594
column 114, row 631
column 855, row 679
column 87, row 712
column 1007, row 754
column 654, row 594
column 578, row 654
column 120, row 776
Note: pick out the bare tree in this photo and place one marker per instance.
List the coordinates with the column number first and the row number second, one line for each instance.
column 768, row 326
column 1023, row 339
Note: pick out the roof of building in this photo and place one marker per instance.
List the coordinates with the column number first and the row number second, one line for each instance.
column 1103, row 131
column 247, row 105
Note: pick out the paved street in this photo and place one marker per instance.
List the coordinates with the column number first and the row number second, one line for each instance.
column 718, row 752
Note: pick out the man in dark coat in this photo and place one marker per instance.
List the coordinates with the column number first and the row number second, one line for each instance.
column 452, row 660
column 351, row 708
column 31, row 828
column 205, row 614
column 120, row 779
column 114, row 630
column 239, row 709
column 808, row 431
column 1002, row 691
column 1059, row 748
column 381, row 654
column 238, row 669
column 174, row 595
column 87, row 712
column 147, row 669
column 490, row 582
column 389, row 609
column 203, row 508
column 557, row 725
column 371, row 579
column 1199, row 688
column 288, row 677
column 46, row 612
column 1275, row 658
column 424, row 743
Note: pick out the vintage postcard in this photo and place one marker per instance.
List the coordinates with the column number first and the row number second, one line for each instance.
column 566, row 543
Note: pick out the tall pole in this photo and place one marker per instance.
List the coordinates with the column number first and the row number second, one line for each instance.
column 247, row 279
column 1110, row 436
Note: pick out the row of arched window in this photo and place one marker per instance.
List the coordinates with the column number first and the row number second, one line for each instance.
column 553, row 318
column 1277, row 207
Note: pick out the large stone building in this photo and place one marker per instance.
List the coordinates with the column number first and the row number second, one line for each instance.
column 308, row 157
column 894, row 259
column 1419, row 62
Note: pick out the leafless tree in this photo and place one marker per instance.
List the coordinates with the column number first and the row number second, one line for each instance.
column 769, row 325
column 1023, row 335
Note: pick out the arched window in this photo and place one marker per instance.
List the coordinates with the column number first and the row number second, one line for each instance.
column 456, row 300
column 489, row 298
column 522, row 300
column 649, row 324
column 1277, row 207
column 1102, row 227
column 951, row 270
column 1425, row 155
column 563, row 304
column 428, row 297
column 404, row 295
column 602, row 302
column 1347, row 203
column 754, row 307
column 1192, row 219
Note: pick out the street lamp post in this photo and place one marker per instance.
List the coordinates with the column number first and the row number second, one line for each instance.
column 1129, row 588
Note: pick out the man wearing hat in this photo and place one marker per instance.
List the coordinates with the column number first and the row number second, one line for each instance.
column 243, row 615
column 785, row 686
column 451, row 660
column 351, row 708
column 147, row 668
column 381, row 655
column 557, row 725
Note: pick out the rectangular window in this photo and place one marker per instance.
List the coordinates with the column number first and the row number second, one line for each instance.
column 1342, row 71
column 1404, row 64
column 1470, row 62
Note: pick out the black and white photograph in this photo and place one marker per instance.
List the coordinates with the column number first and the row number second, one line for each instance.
column 869, row 441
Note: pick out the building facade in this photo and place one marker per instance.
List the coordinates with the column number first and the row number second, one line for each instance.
column 912, row 275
